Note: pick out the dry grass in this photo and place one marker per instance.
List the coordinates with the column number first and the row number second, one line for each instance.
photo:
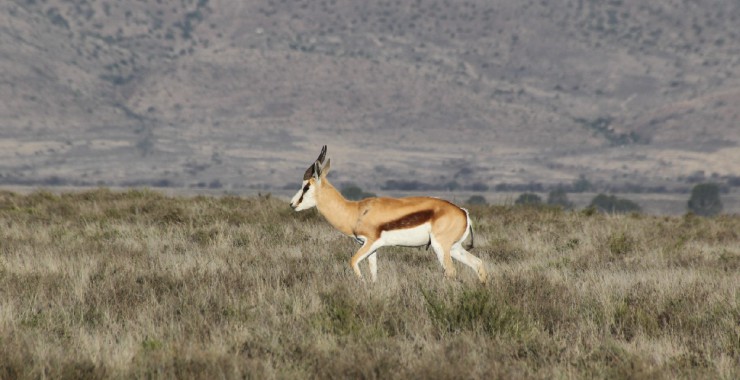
column 141, row 285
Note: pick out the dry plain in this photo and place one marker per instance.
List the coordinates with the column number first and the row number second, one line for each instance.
column 138, row 284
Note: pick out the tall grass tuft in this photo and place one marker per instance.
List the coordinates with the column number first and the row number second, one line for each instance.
column 475, row 310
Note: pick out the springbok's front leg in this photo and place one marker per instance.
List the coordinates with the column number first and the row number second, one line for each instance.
column 366, row 250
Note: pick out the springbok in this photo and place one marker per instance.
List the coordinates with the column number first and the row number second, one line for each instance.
column 378, row 222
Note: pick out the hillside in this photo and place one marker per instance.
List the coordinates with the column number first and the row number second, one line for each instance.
column 232, row 94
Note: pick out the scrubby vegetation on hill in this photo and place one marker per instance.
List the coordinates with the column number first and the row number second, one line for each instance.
column 197, row 93
column 137, row 284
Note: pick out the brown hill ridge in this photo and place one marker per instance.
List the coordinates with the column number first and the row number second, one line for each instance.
column 240, row 94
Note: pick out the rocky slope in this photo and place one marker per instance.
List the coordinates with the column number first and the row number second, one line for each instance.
column 233, row 94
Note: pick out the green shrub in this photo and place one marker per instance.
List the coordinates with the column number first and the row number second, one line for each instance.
column 559, row 198
column 582, row 184
column 528, row 199
column 355, row 193
column 613, row 204
column 705, row 200
column 476, row 200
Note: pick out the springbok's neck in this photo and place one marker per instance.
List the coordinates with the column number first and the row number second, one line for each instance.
column 339, row 212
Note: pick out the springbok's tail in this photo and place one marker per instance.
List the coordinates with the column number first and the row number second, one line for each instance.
column 469, row 230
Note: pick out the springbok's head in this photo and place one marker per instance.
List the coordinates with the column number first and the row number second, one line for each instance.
column 305, row 198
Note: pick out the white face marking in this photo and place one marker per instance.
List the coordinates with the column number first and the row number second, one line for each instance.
column 304, row 198
column 410, row 237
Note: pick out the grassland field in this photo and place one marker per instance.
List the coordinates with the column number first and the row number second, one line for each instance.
column 140, row 284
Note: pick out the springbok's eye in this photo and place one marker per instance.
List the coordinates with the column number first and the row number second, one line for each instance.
column 305, row 188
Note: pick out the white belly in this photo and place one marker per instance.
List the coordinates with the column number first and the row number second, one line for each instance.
column 411, row 237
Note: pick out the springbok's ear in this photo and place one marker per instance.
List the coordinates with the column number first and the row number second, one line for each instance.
column 309, row 173
column 325, row 169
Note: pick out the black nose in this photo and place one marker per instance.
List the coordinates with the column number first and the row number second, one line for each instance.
column 293, row 207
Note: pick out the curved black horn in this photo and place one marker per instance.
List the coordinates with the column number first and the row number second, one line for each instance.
column 322, row 155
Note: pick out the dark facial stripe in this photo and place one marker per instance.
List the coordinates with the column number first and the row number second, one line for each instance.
column 305, row 188
column 407, row 221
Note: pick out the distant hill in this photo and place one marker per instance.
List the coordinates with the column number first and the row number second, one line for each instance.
column 234, row 94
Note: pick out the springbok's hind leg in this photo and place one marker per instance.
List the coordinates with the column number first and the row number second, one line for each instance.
column 460, row 254
column 443, row 255
column 372, row 261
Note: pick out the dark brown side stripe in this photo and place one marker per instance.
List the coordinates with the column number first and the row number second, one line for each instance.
column 407, row 221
